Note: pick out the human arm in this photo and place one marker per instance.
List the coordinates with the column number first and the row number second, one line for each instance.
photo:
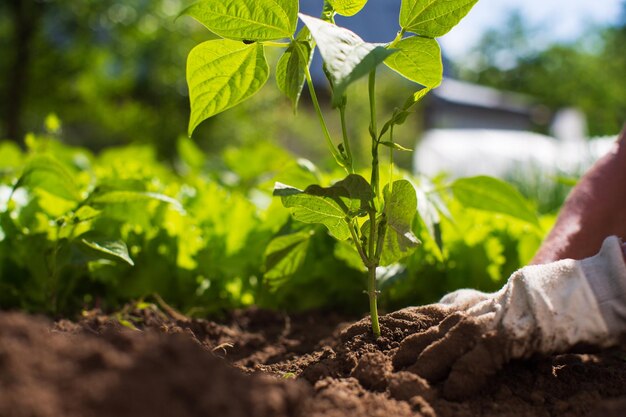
column 595, row 209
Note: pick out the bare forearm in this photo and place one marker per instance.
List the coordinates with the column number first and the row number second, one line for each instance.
column 595, row 209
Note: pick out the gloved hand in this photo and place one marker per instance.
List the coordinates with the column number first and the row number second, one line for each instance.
column 542, row 309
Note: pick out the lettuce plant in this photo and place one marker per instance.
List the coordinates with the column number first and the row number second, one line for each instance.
column 222, row 73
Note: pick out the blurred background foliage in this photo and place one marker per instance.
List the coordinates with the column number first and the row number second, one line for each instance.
column 587, row 73
column 198, row 235
column 101, row 83
column 114, row 72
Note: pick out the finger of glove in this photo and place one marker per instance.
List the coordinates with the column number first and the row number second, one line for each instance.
column 474, row 369
column 413, row 345
column 436, row 361
column 428, row 316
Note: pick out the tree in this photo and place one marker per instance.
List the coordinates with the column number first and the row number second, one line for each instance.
column 587, row 73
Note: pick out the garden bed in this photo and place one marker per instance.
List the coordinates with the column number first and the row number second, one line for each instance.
column 258, row 363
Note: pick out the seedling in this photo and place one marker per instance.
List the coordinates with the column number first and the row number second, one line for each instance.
column 224, row 72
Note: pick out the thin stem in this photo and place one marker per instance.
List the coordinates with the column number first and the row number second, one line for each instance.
column 371, row 291
column 398, row 38
column 375, row 179
column 346, row 139
column 357, row 243
column 333, row 150
column 391, row 159
column 371, row 274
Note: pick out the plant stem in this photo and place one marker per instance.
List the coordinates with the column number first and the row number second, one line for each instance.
column 346, row 139
column 391, row 159
column 398, row 38
column 333, row 150
column 357, row 242
column 371, row 292
column 375, row 179
column 371, row 274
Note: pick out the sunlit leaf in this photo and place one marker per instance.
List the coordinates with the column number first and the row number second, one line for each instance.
column 347, row 7
column 417, row 59
column 285, row 255
column 433, row 18
column 115, row 249
column 122, row 197
column 46, row 173
column 491, row 194
column 331, row 206
column 400, row 210
column 222, row 73
column 347, row 57
column 290, row 70
column 258, row 20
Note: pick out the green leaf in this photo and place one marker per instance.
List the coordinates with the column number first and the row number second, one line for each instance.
column 347, row 7
column 285, row 255
column 47, row 173
column 115, row 249
column 433, row 18
column 85, row 213
column 123, row 197
column 346, row 252
column 400, row 209
column 417, row 59
column 189, row 153
column 431, row 206
column 333, row 206
column 221, row 74
column 346, row 56
column 491, row 194
column 258, row 20
column 291, row 67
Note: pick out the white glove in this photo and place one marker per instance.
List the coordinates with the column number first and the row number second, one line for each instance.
column 542, row 309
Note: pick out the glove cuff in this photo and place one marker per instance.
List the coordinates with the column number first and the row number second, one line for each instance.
column 606, row 275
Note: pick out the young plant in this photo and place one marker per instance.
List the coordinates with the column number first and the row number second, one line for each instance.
column 224, row 72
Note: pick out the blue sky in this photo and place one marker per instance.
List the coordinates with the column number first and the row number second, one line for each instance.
column 562, row 19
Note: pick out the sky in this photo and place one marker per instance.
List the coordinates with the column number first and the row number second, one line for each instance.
column 562, row 19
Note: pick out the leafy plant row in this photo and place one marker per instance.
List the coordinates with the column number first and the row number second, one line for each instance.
column 79, row 230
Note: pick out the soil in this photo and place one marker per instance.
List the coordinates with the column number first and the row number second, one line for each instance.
column 143, row 362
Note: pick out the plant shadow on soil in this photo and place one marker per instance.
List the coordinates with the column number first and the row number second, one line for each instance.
column 259, row 363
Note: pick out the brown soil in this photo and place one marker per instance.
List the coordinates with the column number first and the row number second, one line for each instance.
column 257, row 363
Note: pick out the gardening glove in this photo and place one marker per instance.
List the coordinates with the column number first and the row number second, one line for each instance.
column 542, row 309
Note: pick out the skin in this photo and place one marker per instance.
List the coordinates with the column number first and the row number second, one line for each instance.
column 595, row 209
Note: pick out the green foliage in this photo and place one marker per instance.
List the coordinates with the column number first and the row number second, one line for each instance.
column 206, row 244
column 586, row 73
column 259, row 20
column 347, row 7
column 129, row 227
column 221, row 74
column 292, row 66
column 385, row 236
column 417, row 59
column 346, row 56
column 433, row 18
column 285, row 255
column 109, row 69
column 400, row 210
column 115, row 249
column 487, row 193
column 334, row 207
